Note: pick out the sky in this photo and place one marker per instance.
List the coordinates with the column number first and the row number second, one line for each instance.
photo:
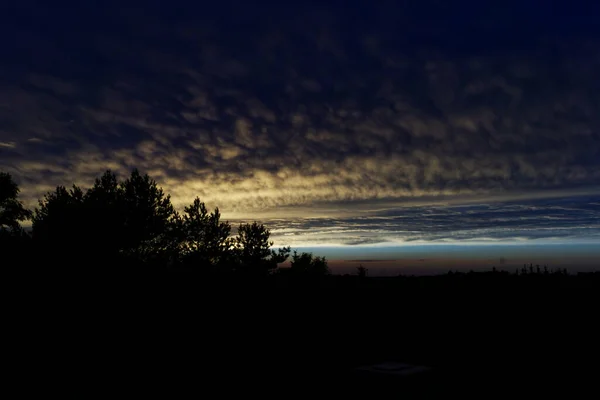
column 405, row 136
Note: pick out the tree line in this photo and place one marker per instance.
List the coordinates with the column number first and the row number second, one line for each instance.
column 133, row 223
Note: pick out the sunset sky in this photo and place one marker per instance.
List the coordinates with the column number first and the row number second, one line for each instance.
column 406, row 136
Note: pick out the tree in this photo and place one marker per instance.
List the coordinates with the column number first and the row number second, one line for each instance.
column 12, row 211
column 14, row 241
column 59, row 217
column 308, row 265
column 131, row 221
column 147, row 218
column 59, row 229
column 103, row 203
column 206, row 239
column 362, row 272
column 134, row 222
column 253, row 250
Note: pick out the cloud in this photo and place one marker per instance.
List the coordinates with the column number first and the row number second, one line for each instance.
column 556, row 220
column 275, row 120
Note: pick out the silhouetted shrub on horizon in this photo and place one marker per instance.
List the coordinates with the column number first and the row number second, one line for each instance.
column 307, row 265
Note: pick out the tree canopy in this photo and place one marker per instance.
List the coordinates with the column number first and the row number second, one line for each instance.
column 133, row 223
column 12, row 211
column 308, row 265
column 253, row 247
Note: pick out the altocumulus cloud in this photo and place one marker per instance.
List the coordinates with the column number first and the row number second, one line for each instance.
column 555, row 220
column 276, row 112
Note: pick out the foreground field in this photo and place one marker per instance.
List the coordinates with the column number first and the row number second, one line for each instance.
column 175, row 333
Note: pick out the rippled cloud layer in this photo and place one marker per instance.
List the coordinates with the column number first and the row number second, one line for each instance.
column 281, row 113
column 550, row 221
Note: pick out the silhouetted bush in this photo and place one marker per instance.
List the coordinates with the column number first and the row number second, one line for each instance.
column 305, row 264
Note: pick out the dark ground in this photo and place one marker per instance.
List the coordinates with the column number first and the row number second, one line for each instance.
column 176, row 335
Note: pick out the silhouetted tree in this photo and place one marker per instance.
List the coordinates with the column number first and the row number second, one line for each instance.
column 59, row 225
column 308, row 265
column 148, row 216
column 105, row 215
column 134, row 222
column 131, row 221
column 12, row 211
column 14, row 241
column 206, row 240
column 362, row 272
column 253, row 251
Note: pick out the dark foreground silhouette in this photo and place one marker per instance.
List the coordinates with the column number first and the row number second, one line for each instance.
column 179, row 335
column 119, row 296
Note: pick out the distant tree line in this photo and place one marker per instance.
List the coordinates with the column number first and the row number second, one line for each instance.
column 132, row 223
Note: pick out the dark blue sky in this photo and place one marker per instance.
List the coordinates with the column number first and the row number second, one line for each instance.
column 352, row 125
